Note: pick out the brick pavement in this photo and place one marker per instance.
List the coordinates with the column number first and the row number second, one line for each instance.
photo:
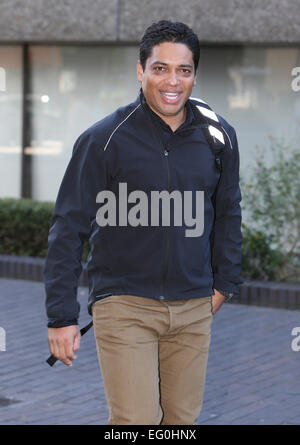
column 253, row 375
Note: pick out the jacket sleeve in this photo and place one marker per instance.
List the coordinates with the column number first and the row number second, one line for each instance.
column 226, row 234
column 74, row 210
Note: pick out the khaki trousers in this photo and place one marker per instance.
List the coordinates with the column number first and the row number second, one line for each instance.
column 153, row 356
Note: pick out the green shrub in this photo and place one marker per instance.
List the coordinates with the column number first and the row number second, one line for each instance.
column 259, row 260
column 24, row 227
column 271, row 237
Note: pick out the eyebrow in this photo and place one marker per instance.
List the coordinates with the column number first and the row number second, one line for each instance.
column 158, row 62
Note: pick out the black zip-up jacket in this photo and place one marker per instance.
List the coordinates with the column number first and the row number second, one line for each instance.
column 135, row 146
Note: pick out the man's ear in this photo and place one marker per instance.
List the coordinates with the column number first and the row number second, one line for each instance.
column 195, row 80
column 140, row 71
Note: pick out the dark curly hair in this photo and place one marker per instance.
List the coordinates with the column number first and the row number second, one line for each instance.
column 166, row 31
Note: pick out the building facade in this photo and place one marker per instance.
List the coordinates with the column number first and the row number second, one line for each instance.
column 66, row 64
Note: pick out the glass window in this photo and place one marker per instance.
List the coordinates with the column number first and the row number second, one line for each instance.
column 72, row 88
column 10, row 121
column 251, row 88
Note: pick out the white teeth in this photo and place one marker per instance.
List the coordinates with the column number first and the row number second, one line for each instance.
column 171, row 95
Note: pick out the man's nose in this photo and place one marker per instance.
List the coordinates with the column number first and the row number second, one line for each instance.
column 173, row 78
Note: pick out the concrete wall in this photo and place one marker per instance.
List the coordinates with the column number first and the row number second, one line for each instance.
column 215, row 21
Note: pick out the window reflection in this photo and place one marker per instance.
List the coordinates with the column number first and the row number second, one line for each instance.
column 10, row 120
column 251, row 88
column 72, row 87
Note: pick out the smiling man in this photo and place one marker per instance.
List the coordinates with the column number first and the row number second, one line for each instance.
column 167, row 79
column 153, row 291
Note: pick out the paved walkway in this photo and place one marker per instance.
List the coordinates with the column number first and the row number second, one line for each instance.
column 253, row 375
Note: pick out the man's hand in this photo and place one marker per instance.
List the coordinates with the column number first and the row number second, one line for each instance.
column 217, row 300
column 63, row 342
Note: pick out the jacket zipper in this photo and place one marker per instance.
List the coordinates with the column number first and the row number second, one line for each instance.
column 165, row 265
column 166, row 252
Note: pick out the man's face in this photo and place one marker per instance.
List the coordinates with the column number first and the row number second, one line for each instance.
column 168, row 79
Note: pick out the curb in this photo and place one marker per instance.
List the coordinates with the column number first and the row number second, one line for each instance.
column 29, row 268
column 255, row 293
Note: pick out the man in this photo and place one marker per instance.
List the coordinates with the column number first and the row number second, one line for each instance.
column 154, row 284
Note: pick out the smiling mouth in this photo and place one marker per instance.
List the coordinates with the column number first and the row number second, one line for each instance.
column 171, row 98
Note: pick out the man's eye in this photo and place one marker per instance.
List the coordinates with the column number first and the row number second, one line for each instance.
column 162, row 68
